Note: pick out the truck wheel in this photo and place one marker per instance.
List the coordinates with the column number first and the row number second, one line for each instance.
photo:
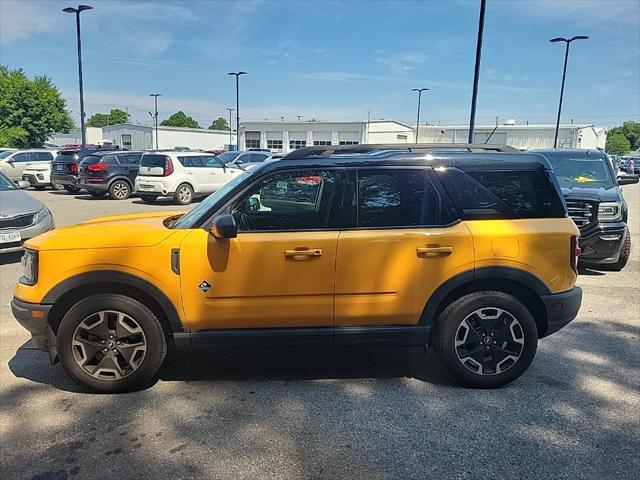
column 111, row 343
column 625, row 253
column 119, row 190
column 148, row 198
column 184, row 194
column 486, row 339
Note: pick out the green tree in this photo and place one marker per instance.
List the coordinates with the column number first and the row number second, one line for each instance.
column 631, row 130
column 617, row 144
column 30, row 110
column 180, row 119
column 98, row 120
column 219, row 124
column 118, row 116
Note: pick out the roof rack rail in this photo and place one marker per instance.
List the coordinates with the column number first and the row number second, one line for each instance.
column 326, row 151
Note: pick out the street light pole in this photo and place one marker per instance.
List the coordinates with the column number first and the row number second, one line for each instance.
column 419, row 90
column 155, row 116
column 230, row 129
column 237, row 75
column 564, row 74
column 476, row 72
column 77, row 11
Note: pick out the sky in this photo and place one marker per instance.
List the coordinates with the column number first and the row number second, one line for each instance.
column 335, row 60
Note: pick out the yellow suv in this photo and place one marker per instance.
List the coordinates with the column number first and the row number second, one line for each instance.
column 467, row 250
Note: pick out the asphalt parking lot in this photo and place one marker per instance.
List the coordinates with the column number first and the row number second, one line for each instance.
column 363, row 414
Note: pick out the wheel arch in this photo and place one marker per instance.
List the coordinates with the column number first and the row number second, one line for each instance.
column 71, row 290
column 523, row 285
column 123, row 178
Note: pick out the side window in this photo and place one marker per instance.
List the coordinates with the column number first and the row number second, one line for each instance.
column 190, row 162
column 257, row 157
column 295, row 200
column 110, row 160
column 131, row 159
column 211, row 162
column 397, row 198
column 21, row 157
column 42, row 156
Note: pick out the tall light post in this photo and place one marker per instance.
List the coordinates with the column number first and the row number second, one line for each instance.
column 230, row 129
column 564, row 74
column 77, row 11
column 155, row 115
column 476, row 71
column 237, row 75
column 419, row 90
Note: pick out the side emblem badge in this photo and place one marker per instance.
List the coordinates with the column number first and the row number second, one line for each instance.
column 204, row 286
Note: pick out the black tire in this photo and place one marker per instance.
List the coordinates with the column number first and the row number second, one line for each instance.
column 97, row 194
column 155, row 341
column 71, row 189
column 148, row 198
column 119, row 190
column 183, row 194
column 450, row 329
column 57, row 186
column 625, row 253
column 39, row 187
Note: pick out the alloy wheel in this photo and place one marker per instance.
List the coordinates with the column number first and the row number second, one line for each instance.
column 120, row 190
column 109, row 345
column 184, row 194
column 489, row 341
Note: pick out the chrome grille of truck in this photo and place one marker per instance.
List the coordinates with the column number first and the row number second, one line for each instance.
column 581, row 212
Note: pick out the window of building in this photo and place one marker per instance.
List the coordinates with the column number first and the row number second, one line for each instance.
column 252, row 143
column 274, row 144
column 348, row 142
column 298, row 200
column 293, row 144
column 321, row 143
column 397, row 198
column 126, row 140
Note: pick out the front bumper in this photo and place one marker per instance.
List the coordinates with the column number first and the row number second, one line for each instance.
column 602, row 243
column 561, row 308
column 35, row 318
column 36, row 179
column 27, row 233
column 64, row 179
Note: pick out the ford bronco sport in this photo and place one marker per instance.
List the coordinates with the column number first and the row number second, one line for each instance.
column 467, row 250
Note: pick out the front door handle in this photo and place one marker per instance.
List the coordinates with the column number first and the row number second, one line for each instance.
column 312, row 252
column 433, row 252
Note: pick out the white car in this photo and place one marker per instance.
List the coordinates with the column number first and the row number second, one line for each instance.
column 12, row 164
column 38, row 176
column 181, row 175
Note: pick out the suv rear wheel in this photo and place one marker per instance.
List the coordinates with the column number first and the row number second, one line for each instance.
column 111, row 343
column 57, row 186
column 119, row 190
column 71, row 188
column 148, row 198
column 486, row 339
column 184, row 194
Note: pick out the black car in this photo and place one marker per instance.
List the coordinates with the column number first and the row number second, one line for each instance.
column 595, row 203
column 64, row 168
column 109, row 172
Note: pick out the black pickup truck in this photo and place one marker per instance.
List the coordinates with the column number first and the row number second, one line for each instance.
column 595, row 203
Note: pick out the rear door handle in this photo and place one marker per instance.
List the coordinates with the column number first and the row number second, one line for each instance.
column 312, row 252
column 433, row 252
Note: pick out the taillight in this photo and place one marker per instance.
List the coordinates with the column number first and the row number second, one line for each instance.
column 98, row 167
column 74, row 168
column 574, row 253
column 168, row 167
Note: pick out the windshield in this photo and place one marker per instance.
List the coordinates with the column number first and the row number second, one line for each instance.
column 189, row 219
column 153, row 160
column 5, row 154
column 6, row 184
column 227, row 157
column 581, row 171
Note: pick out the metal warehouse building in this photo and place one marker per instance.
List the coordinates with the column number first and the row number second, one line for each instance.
column 135, row 137
column 520, row 136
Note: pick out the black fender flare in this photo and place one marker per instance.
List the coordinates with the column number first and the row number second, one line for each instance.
column 511, row 274
column 121, row 278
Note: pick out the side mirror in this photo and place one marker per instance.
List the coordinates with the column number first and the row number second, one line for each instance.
column 628, row 179
column 224, row 226
column 23, row 184
column 10, row 161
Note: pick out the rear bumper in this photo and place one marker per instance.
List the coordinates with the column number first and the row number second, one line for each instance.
column 561, row 308
column 96, row 187
column 37, row 325
column 64, row 179
column 602, row 243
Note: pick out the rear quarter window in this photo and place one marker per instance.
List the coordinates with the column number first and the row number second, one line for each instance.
column 153, row 160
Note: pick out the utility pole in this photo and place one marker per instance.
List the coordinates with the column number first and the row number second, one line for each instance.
column 237, row 75
column 419, row 90
column 230, row 128
column 155, row 115
column 476, row 73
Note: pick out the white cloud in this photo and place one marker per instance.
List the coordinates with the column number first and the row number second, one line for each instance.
column 403, row 62
column 20, row 20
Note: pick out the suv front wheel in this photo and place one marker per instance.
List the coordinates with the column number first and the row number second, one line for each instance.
column 486, row 339
column 111, row 343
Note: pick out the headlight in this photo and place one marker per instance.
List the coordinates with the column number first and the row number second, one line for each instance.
column 610, row 211
column 43, row 214
column 30, row 266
